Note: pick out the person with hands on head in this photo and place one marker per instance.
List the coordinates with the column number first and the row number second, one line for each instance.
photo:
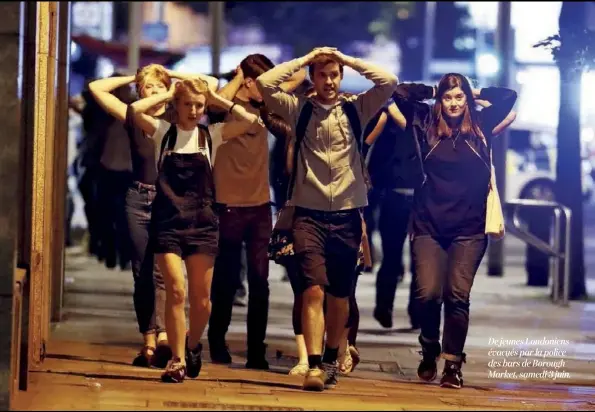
column 449, row 219
column 149, row 290
column 184, row 221
column 241, row 176
column 329, row 192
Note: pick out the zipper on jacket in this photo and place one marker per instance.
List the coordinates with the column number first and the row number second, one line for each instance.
column 328, row 154
column 475, row 151
column 432, row 149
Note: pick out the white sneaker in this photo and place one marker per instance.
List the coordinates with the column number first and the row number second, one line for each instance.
column 301, row 369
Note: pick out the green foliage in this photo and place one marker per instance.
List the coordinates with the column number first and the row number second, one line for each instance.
column 575, row 49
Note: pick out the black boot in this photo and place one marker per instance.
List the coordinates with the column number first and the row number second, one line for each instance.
column 257, row 357
column 452, row 377
column 428, row 369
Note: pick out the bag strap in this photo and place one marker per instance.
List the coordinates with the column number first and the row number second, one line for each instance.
column 356, row 128
column 169, row 140
column 300, row 133
column 207, row 135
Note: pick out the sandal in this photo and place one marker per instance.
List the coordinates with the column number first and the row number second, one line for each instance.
column 354, row 356
column 145, row 357
column 345, row 363
column 162, row 355
column 301, row 369
column 175, row 371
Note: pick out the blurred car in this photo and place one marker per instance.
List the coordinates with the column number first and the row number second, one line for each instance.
column 531, row 171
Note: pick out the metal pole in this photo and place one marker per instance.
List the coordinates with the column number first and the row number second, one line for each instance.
column 430, row 20
column 135, row 27
column 568, row 226
column 500, row 146
column 216, row 11
column 555, row 273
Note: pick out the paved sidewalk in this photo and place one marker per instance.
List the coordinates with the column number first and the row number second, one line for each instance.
column 91, row 350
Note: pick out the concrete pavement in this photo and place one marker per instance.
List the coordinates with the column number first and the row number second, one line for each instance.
column 89, row 355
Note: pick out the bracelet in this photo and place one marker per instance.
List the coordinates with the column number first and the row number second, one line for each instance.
column 231, row 108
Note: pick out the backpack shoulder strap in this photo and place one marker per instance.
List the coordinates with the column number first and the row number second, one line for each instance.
column 300, row 133
column 354, row 122
column 169, row 141
column 207, row 135
column 356, row 128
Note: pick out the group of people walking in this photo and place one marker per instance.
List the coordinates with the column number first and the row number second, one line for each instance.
column 201, row 178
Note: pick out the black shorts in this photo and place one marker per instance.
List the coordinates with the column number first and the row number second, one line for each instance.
column 186, row 233
column 327, row 246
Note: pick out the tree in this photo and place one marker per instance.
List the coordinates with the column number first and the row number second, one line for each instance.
column 305, row 25
column 573, row 52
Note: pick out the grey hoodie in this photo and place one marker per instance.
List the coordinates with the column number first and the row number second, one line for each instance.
column 329, row 172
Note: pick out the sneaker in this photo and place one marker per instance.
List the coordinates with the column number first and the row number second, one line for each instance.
column 452, row 377
column 193, row 360
column 428, row 368
column 385, row 318
column 314, row 380
column 175, row 371
column 332, row 370
column 301, row 369
column 219, row 354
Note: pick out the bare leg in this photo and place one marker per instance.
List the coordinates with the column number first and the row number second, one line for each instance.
column 200, row 276
column 170, row 265
column 313, row 319
column 301, row 348
column 336, row 315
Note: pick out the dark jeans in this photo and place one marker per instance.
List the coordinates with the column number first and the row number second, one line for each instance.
column 445, row 272
column 149, row 289
column 395, row 209
column 371, row 218
column 252, row 225
column 112, row 187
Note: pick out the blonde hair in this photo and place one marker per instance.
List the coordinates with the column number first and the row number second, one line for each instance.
column 194, row 87
column 151, row 72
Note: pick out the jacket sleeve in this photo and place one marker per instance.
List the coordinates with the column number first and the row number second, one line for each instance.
column 502, row 100
column 286, row 105
column 371, row 101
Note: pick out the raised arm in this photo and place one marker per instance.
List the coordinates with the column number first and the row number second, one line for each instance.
column 275, row 97
column 511, row 117
column 501, row 102
column 231, row 88
column 243, row 121
column 294, row 81
column 408, row 98
column 369, row 102
column 101, row 91
column 147, row 123
column 380, row 120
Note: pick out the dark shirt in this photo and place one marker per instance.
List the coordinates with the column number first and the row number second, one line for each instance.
column 392, row 158
column 142, row 147
column 452, row 201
